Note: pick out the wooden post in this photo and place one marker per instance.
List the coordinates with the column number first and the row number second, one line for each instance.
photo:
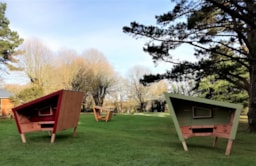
column 184, row 146
column 229, row 146
column 49, row 133
column 23, row 138
column 215, row 141
column 53, row 138
column 74, row 132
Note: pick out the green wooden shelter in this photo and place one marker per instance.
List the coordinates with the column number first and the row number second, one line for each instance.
column 194, row 116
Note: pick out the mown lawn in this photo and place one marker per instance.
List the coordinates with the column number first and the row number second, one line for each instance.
column 127, row 140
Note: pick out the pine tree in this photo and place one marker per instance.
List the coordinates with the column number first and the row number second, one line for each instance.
column 223, row 33
column 9, row 40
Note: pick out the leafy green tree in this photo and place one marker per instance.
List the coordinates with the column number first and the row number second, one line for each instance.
column 223, row 34
column 212, row 87
column 221, row 90
column 9, row 40
column 27, row 94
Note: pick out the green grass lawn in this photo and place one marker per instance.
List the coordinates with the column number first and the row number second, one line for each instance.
column 127, row 140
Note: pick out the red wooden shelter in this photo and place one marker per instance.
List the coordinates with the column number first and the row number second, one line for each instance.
column 54, row 112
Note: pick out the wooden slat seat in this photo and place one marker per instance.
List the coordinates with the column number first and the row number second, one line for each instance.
column 99, row 113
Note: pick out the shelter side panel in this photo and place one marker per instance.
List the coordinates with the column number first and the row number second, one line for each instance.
column 191, row 113
column 70, row 108
column 198, row 119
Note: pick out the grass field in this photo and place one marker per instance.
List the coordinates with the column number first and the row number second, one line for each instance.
column 127, row 140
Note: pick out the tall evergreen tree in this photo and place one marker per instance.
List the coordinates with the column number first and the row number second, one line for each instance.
column 221, row 90
column 221, row 31
column 9, row 40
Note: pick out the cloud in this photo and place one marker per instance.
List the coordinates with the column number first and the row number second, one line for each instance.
column 85, row 24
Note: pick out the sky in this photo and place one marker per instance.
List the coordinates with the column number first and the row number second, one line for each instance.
column 85, row 24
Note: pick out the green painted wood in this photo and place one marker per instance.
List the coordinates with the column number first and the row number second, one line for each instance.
column 235, row 123
column 174, row 118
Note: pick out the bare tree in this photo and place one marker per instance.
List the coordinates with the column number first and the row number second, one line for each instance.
column 138, row 92
column 182, row 87
column 95, row 77
column 36, row 61
column 67, row 64
column 157, row 89
column 118, row 94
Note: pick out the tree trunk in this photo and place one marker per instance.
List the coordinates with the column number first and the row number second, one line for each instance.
column 252, row 101
column 251, row 37
column 99, row 96
column 98, row 100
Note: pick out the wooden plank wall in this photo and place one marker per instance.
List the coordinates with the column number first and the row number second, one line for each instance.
column 6, row 106
column 69, row 111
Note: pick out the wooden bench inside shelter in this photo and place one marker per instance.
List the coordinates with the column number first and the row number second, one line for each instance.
column 102, row 113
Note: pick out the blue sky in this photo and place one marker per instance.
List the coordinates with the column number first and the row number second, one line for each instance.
column 86, row 24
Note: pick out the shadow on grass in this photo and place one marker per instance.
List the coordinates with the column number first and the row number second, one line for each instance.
column 41, row 137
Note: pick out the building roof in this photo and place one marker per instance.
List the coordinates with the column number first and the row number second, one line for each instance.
column 4, row 93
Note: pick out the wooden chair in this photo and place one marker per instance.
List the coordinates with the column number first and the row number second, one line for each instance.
column 101, row 113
